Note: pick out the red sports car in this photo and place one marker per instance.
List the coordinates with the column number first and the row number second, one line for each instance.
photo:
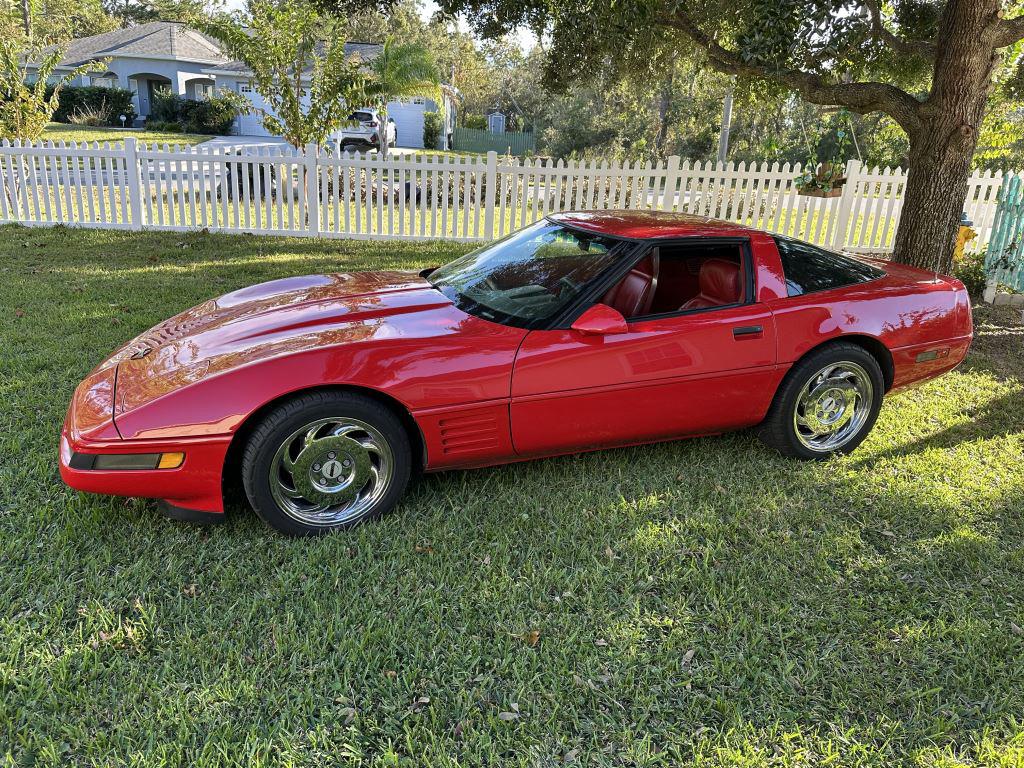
column 585, row 330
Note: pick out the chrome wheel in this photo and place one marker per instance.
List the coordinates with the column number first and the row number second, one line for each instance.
column 833, row 406
column 331, row 471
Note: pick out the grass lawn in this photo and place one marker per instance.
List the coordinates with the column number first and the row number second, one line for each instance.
column 68, row 133
column 447, row 153
column 702, row 602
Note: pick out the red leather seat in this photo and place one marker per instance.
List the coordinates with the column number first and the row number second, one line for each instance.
column 633, row 295
column 719, row 283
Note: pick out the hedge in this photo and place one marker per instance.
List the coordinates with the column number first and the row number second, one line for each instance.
column 108, row 103
column 213, row 115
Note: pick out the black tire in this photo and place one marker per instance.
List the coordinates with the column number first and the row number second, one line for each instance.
column 263, row 452
column 779, row 429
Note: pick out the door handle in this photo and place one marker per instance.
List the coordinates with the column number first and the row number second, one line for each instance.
column 748, row 332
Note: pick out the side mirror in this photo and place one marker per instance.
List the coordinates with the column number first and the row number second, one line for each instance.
column 600, row 320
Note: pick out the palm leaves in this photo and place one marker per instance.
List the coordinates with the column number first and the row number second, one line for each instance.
column 401, row 69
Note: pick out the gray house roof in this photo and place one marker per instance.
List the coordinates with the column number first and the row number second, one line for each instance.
column 360, row 52
column 157, row 39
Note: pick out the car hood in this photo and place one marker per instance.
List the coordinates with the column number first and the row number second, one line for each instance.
column 266, row 321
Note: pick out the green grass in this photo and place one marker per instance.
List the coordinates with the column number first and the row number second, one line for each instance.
column 702, row 602
column 68, row 133
column 445, row 153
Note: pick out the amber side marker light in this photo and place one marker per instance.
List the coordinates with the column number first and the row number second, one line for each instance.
column 127, row 461
column 171, row 460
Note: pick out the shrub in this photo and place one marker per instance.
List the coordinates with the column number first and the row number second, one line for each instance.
column 166, row 106
column 479, row 122
column 102, row 106
column 214, row 115
column 91, row 116
column 970, row 271
column 163, row 126
column 433, row 124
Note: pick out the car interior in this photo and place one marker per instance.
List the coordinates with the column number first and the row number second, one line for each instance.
column 679, row 278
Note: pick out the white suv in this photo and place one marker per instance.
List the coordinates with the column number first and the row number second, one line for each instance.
column 365, row 131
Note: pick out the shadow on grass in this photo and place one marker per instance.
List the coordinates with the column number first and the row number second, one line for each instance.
column 997, row 418
column 703, row 600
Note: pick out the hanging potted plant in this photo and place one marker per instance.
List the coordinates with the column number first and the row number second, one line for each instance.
column 824, row 179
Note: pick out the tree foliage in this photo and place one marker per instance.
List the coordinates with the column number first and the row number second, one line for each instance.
column 55, row 21
column 298, row 65
column 929, row 65
column 128, row 13
column 27, row 102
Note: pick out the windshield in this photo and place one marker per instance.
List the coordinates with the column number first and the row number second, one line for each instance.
column 529, row 276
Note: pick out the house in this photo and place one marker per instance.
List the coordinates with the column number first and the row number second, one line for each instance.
column 408, row 113
column 171, row 55
column 143, row 59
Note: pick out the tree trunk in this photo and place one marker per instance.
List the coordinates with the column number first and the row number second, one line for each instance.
column 664, row 103
column 26, row 17
column 942, row 148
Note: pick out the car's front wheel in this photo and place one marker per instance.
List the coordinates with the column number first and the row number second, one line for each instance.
column 827, row 403
column 324, row 461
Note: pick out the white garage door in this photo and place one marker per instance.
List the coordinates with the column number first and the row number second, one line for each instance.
column 252, row 124
column 408, row 117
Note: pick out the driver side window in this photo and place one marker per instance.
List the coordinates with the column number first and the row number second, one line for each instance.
column 672, row 278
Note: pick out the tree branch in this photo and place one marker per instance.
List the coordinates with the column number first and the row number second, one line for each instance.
column 1010, row 31
column 922, row 48
column 858, row 97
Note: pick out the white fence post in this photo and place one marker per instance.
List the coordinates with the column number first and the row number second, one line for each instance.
column 846, row 202
column 171, row 188
column 311, row 184
column 136, row 214
column 668, row 193
column 491, row 184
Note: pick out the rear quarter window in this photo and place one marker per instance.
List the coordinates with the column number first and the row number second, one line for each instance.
column 809, row 269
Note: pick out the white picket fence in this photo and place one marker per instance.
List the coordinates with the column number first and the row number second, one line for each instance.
column 310, row 192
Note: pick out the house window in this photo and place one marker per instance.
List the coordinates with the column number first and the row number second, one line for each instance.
column 245, row 87
column 419, row 100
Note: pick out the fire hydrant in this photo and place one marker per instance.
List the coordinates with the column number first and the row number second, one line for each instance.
column 965, row 235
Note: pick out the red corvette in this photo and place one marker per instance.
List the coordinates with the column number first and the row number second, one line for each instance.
column 585, row 330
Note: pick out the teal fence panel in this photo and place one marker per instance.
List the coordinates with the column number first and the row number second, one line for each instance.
column 474, row 140
column 1004, row 259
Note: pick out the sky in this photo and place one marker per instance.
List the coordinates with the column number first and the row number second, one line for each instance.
column 524, row 36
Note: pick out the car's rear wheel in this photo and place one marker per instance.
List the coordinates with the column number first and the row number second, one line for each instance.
column 324, row 461
column 827, row 403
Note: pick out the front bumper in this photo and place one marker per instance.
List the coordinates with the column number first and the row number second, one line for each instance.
column 195, row 485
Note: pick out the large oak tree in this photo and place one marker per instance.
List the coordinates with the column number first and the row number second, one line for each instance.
column 928, row 64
